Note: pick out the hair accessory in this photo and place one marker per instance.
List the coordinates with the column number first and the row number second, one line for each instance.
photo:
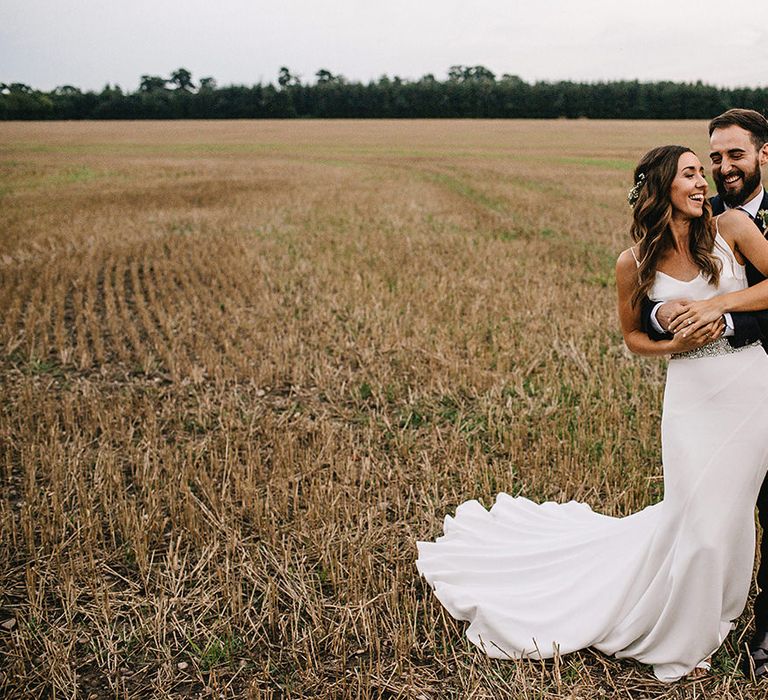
column 634, row 193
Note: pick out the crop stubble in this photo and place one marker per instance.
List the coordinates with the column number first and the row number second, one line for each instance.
column 246, row 365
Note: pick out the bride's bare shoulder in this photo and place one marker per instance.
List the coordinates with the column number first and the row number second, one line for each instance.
column 626, row 272
column 627, row 261
column 733, row 220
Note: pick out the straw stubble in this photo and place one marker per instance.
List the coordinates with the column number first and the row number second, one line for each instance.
column 246, row 365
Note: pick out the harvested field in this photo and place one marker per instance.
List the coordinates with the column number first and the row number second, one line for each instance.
column 246, row 365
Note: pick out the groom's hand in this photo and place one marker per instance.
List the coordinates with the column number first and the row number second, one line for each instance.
column 698, row 314
column 668, row 312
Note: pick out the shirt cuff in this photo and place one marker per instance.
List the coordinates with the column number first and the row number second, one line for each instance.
column 657, row 326
column 729, row 329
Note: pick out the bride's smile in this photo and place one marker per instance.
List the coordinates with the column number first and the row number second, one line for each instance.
column 689, row 188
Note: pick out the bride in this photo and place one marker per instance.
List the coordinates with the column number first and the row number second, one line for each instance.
column 662, row 585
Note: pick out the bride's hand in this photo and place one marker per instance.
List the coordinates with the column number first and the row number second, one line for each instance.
column 698, row 338
column 696, row 315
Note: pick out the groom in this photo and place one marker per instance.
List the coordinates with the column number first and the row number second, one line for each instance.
column 738, row 148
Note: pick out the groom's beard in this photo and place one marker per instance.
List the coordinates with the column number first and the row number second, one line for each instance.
column 749, row 183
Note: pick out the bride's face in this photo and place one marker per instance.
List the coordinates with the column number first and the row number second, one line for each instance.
column 689, row 188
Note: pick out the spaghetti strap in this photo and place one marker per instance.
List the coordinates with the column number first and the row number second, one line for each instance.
column 632, row 250
column 724, row 246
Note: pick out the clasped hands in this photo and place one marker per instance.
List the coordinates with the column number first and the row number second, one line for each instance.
column 697, row 322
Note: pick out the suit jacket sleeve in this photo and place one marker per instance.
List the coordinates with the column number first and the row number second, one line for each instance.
column 749, row 326
column 646, row 306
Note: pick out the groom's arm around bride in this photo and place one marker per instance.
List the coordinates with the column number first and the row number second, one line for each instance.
column 738, row 150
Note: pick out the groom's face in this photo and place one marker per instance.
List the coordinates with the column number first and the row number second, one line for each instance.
column 735, row 165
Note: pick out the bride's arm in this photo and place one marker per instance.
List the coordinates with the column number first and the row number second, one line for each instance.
column 630, row 318
column 742, row 235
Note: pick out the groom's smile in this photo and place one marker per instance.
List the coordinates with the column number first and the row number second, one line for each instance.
column 737, row 186
column 735, row 164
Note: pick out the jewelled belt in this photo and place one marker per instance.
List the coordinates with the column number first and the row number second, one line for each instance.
column 721, row 346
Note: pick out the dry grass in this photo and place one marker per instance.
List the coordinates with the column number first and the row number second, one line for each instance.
column 246, row 365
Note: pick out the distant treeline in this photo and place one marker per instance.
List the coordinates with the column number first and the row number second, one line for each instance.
column 469, row 91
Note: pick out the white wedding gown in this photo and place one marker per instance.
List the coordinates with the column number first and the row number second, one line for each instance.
column 662, row 585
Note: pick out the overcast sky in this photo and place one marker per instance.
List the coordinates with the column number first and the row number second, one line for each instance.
column 88, row 43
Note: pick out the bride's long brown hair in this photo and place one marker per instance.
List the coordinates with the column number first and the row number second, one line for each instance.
column 652, row 214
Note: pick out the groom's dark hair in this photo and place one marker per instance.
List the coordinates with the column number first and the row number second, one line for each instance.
column 748, row 119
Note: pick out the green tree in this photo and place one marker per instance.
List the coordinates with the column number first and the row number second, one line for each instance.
column 66, row 91
column 325, row 76
column 182, row 79
column 286, row 79
column 152, row 83
column 460, row 74
column 20, row 101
